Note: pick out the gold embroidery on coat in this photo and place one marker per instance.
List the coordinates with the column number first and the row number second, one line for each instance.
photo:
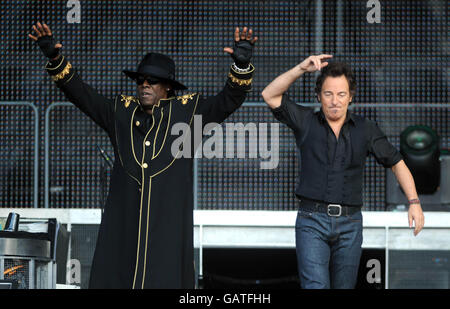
column 184, row 98
column 128, row 99
column 63, row 73
column 240, row 82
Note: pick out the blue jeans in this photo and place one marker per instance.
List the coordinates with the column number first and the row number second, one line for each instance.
column 328, row 249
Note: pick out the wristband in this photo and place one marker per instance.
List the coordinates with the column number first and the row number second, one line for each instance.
column 414, row 201
column 47, row 45
column 239, row 70
column 242, row 54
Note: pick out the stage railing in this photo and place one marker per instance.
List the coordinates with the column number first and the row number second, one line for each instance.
column 46, row 149
column 391, row 118
column 417, row 113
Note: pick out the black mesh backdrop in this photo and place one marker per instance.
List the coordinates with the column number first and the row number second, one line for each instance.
column 83, row 241
column 78, row 175
column 241, row 183
column 401, row 60
column 17, row 137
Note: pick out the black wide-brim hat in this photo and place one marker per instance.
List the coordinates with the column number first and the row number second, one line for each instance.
column 158, row 66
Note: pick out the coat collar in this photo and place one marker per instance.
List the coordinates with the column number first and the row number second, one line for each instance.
column 161, row 103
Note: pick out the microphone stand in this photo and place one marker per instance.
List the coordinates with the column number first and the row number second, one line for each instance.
column 102, row 186
column 103, row 177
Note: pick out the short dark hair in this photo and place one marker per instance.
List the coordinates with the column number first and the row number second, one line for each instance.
column 336, row 69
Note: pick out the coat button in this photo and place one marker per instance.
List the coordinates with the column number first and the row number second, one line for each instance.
column 138, row 123
column 145, row 165
column 147, row 143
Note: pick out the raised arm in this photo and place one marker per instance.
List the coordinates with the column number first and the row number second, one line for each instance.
column 87, row 99
column 217, row 108
column 273, row 93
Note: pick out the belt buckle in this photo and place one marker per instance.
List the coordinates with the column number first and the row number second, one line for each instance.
column 334, row 205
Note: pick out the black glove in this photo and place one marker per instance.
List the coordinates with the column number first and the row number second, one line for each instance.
column 242, row 53
column 47, row 45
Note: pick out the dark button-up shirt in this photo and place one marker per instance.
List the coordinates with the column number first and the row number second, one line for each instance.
column 331, row 167
column 337, row 148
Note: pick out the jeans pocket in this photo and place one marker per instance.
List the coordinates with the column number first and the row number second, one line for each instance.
column 356, row 217
column 303, row 219
column 304, row 213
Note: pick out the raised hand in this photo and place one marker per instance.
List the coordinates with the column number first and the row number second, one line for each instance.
column 243, row 47
column 44, row 38
column 315, row 63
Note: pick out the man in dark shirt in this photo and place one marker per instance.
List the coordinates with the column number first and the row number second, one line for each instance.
column 333, row 144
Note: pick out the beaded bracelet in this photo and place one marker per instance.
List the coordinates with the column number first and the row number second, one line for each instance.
column 414, row 201
column 239, row 70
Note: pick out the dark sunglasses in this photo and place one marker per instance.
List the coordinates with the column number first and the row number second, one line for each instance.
column 151, row 80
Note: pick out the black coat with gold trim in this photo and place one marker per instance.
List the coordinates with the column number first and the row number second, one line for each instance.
column 146, row 234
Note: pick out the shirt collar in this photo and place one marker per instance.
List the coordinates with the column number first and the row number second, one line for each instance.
column 348, row 118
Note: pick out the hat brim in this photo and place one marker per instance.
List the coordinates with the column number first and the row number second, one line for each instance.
column 176, row 85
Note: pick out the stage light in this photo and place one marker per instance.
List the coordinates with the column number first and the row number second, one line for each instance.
column 419, row 146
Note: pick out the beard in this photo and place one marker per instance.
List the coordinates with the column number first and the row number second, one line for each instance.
column 335, row 114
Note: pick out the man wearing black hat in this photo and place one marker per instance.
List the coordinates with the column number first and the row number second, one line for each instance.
column 146, row 234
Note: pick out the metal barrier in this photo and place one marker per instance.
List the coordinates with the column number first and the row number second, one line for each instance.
column 46, row 150
column 36, row 145
column 69, row 136
column 382, row 111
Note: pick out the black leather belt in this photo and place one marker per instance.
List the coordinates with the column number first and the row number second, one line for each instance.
column 333, row 210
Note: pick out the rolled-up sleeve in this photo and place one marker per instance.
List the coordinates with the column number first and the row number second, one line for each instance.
column 291, row 114
column 384, row 152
